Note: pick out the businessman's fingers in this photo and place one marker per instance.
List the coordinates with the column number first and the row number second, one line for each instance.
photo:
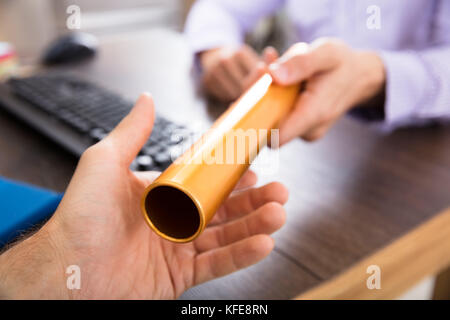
column 247, row 201
column 222, row 261
column 226, row 70
column 302, row 118
column 316, row 109
column 254, row 75
column 247, row 58
column 214, row 88
column 226, row 81
column 133, row 131
column 264, row 220
column 317, row 133
column 234, row 72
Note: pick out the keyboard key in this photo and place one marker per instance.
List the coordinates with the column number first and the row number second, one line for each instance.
column 94, row 112
column 144, row 162
column 151, row 149
column 163, row 158
column 97, row 134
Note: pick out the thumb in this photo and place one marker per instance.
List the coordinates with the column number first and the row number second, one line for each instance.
column 302, row 61
column 130, row 135
column 291, row 67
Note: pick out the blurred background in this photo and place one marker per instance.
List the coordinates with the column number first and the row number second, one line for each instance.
column 47, row 19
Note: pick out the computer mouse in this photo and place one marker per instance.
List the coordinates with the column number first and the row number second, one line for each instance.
column 74, row 47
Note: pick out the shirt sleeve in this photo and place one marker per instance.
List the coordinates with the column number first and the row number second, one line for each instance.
column 418, row 82
column 216, row 23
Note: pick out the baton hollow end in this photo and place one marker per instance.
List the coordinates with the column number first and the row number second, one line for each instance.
column 175, row 214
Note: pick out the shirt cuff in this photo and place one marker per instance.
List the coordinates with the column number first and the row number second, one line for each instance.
column 209, row 26
column 202, row 41
column 406, row 87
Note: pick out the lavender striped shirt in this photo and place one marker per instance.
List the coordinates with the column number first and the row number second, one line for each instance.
column 411, row 36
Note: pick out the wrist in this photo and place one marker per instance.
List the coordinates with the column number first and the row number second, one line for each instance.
column 34, row 268
column 372, row 75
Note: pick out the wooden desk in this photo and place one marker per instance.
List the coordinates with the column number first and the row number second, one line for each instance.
column 352, row 193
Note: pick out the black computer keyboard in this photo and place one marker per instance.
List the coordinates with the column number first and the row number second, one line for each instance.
column 92, row 112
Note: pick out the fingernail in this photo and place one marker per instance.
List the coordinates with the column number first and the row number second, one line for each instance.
column 145, row 95
column 278, row 71
column 274, row 66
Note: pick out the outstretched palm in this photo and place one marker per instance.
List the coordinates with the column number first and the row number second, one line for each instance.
column 98, row 225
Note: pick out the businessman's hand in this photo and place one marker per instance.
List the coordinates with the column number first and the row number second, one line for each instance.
column 99, row 228
column 228, row 72
column 337, row 78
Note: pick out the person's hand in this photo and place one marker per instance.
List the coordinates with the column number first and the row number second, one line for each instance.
column 99, row 227
column 228, row 72
column 336, row 77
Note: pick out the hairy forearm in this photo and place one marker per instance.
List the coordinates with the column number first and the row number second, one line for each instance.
column 33, row 269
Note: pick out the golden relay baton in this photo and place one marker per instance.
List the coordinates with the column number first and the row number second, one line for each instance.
column 183, row 199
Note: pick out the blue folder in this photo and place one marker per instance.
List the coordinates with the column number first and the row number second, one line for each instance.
column 22, row 206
